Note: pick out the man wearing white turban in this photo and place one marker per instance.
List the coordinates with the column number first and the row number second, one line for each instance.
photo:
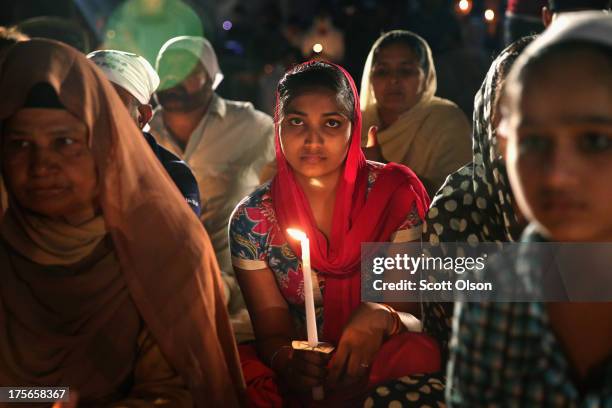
column 228, row 144
column 135, row 81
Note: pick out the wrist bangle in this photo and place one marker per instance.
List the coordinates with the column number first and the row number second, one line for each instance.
column 397, row 321
column 276, row 354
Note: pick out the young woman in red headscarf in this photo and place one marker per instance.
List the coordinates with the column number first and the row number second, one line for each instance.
column 326, row 188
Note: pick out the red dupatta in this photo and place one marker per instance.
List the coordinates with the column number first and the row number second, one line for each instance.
column 356, row 219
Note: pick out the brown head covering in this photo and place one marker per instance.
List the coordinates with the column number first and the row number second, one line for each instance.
column 164, row 253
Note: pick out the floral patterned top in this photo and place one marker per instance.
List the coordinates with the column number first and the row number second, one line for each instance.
column 256, row 242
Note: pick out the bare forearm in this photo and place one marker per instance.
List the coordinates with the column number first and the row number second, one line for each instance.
column 270, row 315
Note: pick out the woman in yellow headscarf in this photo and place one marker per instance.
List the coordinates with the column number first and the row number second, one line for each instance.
column 413, row 127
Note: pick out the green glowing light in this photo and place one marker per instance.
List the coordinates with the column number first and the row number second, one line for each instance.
column 143, row 26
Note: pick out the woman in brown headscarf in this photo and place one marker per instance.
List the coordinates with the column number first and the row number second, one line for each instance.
column 109, row 283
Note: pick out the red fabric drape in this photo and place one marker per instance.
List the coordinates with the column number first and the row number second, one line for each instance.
column 357, row 219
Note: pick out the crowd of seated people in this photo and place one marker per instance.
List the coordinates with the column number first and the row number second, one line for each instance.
column 145, row 257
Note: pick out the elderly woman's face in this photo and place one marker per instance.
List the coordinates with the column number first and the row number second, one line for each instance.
column 559, row 147
column 47, row 164
column 397, row 78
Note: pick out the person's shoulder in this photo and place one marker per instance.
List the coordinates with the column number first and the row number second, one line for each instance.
column 374, row 166
column 374, row 169
column 246, row 110
column 164, row 155
column 391, row 169
column 448, row 109
column 152, row 142
column 394, row 174
column 254, row 214
column 449, row 124
column 456, row 185
column 181, row 174
column 259, row 199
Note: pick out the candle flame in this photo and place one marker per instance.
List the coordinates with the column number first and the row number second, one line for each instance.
column 297, row 234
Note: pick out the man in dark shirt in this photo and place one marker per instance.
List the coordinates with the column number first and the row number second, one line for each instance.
column 135, row 81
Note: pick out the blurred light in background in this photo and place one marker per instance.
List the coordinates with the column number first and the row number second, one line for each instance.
column 317, row 48
column 227, row 25
column 350, row 10
column 143, row 26
column 463, row 7
column 234, row 46
column 489, row 15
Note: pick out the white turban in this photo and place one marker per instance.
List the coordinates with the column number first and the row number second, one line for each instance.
column 130, row 71
column 201, row 49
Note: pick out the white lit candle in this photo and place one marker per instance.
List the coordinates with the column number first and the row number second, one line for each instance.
column 311, row 320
